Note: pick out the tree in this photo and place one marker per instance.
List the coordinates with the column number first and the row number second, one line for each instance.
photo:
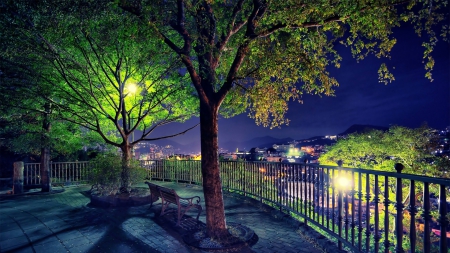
column 26, row 107
column 105, row 74
column 378, row 150
column 260, row 54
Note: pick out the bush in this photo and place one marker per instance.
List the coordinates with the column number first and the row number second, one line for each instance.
column 106, row 170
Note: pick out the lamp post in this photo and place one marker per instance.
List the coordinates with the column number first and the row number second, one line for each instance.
column 132, row 140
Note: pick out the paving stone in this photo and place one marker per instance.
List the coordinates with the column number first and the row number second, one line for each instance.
column 54, row 247
column 63, row 223
column 69, row 235
column 55, row 223
column 21, row 216
column 9, row 225
column 84, row 248
column 31, row 225
column 38, row 233
column 5, row 235
column 61, row 229
column 15, row 242
column 26, row 249
column 76, row 242
column 44, row 240
column 94, row 233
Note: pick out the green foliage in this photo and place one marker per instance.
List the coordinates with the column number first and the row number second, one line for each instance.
column 97, row 67
column 380, row 150
column 89, row 55
column 23, row 134
column 106, row 170
column 262, row 54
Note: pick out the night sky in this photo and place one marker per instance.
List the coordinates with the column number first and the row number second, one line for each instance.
column 410, row 100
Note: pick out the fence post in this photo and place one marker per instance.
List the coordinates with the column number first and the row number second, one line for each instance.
column 443, row 221
column 18, row 178
column 412, row 211
column 426, row 217
column 340, row 217
column 399, row 207
column 340, row 202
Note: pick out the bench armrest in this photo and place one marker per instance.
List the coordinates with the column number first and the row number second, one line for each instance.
column 191, row 199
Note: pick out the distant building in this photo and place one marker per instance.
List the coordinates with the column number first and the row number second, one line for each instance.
column 274, row 158
column 283, row 147
column 242, row 154
column 228, row 156
column 331, row 137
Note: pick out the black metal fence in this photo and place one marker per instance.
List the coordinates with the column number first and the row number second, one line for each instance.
column 363, row 210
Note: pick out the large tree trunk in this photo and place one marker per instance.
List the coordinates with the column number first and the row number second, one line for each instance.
column 45, row 170
column 212, row 186
column 45, row 151
column 125, row 183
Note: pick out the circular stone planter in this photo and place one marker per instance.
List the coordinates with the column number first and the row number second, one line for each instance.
column 119, row 200
column 240, row 236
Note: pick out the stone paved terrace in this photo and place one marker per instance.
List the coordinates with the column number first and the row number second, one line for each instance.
column 63, row 221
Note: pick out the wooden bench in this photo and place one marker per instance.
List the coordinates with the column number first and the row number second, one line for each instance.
column 169, row 196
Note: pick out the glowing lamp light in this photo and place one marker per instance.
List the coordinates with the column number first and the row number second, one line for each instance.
column 343, row 182
column 132, row 88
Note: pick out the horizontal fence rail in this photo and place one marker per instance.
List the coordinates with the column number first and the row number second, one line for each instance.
column 363, row 210
column 60, row 172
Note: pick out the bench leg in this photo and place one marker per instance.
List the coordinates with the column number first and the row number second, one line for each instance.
column 164, row 204
column 182, row 212
column 199, row 211
column 180, row 215
column 153, row 198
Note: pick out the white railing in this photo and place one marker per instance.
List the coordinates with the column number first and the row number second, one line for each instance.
column 60, row 172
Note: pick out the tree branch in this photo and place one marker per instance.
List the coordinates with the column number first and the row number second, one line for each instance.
column 258, row 11
column 170, row 136
column 232, row 29
column 277, row 27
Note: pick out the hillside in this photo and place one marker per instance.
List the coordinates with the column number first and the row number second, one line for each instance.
column 264, row 141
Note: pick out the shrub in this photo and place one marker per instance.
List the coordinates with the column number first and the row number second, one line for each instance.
column 105, row 173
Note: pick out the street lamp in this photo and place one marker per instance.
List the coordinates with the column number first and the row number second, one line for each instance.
column 132, row 88
column 343, row 183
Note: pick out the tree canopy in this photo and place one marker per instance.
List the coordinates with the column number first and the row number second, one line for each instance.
column 261, row 54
